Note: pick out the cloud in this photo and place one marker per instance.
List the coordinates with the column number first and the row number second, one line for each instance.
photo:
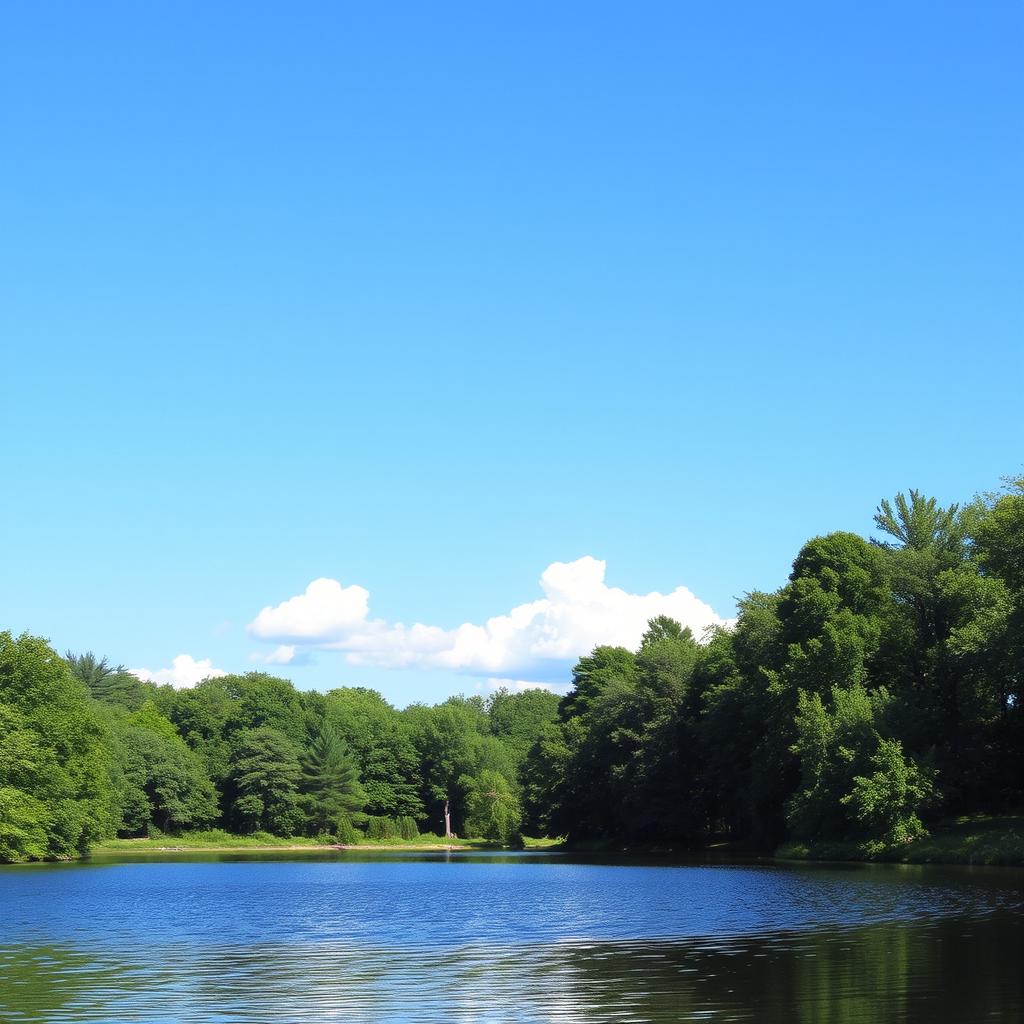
column 185, row 672
column 518, row 685
column 326, row 611
column 285, row 654
column 534, row 642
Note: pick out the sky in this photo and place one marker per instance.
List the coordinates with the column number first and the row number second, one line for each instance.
column 426, row 346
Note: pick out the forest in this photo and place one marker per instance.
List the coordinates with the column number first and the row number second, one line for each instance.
column 876, row 692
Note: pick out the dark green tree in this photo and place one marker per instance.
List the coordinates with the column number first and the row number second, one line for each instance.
column 448, row 739
column 379, row 739
column 330, row 781
column 264, row 774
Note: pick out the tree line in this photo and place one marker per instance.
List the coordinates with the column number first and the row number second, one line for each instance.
column 880, row 688
column 877, row 690
column 89, row 751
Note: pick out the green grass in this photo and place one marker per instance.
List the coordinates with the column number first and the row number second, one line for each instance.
column 543, row 843
column 214, row 838
column 218, row 839
column 978, row 839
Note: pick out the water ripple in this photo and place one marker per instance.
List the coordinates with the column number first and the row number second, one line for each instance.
column 492, row 941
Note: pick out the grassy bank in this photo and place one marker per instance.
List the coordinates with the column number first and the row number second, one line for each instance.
column 216, row 840
column 971, row 840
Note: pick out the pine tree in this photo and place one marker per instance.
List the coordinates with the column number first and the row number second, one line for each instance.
column 330, row 780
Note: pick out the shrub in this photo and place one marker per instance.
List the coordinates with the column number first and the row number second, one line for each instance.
column 348, row 834
column 379, row 827
column 886, row 803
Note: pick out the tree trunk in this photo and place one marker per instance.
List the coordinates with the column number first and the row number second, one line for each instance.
column 447, row 820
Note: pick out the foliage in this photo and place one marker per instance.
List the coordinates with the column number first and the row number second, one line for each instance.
column 160, row 782
column 493, row 810
column 345, row 832
column 330, row 781
column 379, row 827
column 880, row 686
column 264, row 773
column 380, row 741
column 878, row 689
column 886, row 803
column 109, row 683
column 56, row 792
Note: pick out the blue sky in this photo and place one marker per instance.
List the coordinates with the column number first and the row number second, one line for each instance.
column 423, row 299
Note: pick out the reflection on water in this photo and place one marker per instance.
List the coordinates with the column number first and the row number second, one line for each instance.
column 278, row 941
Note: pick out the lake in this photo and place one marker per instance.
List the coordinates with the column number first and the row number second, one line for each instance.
column 497, row 937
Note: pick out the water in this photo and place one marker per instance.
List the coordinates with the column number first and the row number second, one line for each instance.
column 493, row 938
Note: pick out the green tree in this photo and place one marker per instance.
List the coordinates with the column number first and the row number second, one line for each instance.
column 448, row 740
column 947, row 616
column 517, row 719
column 111, row 684
column 161, row 782
column 854, row 782
column 330, row 781
column 886, row 803
column 379, row 739
column 578, row 764
column 264, row 774
column 493, row 809
column 56, row 793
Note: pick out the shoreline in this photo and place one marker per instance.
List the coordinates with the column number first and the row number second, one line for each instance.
column 106, row 849
column 978, row 841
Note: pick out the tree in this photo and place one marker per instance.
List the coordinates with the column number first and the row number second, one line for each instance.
column 575, row 767
column 493, row 809
column 517, row 719
column 56, row 794
column 448, row 738
column 379, row 739
column 108, row 683
column 89, row 670
column 330, row 781
column 264, row 774
column 933, row 662
column 160, row 781
column 886, row 803
column 920, row 523
column 854, row 782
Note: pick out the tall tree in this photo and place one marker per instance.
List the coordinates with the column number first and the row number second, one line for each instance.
column 379, row 739
column 112, row 684
column 264, row 775
column 160, row 781
column 493, row 809
column 330, row 781
column 448, row 738
column 56, row 794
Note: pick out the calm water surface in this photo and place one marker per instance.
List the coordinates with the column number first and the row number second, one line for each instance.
column 478, row 937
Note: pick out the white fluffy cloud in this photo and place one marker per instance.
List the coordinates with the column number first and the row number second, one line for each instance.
column 326, row 611
column 534, row 642
column 185, row 671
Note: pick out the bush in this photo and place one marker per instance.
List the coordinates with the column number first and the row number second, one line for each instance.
column 886, row 803
column 379, row 827
column 407, row 828
column 348, row 834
